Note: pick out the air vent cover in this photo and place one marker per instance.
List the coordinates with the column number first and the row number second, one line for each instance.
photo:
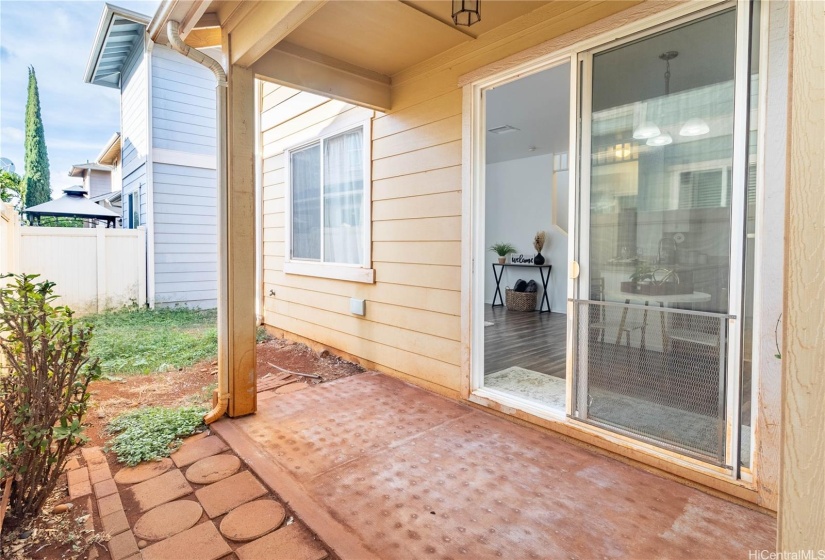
column 505, row 129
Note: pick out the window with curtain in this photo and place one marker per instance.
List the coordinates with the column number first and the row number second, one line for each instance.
column 327, row 182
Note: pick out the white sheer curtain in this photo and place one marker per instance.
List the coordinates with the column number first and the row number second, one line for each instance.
column 305, row 174
column 344, row 198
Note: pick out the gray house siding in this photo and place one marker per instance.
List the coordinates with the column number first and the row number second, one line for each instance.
column 134, row 144
column 183, row 195
column 100, row 182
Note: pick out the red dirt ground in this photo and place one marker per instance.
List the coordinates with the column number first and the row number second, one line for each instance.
column 110, row 398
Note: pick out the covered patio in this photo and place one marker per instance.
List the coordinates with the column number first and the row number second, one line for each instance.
column 380, row 468
column 376, row 465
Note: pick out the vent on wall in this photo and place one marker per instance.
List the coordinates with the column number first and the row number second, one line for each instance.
column 505, row 129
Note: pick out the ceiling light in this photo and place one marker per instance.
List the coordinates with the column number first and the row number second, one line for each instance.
column 505, row 129
column 646, row 130
column 465, row 12
column 661, row 140
column 694, row 127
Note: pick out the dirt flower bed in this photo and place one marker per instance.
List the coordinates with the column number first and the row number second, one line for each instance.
column 71, row 534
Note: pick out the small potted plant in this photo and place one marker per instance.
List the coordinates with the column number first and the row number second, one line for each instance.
column 502, row 250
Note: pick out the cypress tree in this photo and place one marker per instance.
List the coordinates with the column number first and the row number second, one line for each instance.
column 38, row 188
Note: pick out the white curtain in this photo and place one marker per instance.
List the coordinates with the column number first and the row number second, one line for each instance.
column 305, row 173
column 344, row 198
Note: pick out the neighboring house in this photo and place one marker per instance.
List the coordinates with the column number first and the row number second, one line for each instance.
column 97, row 178
column 110, row 156
column 166, row 159
column 392, row 149
column 101, row 179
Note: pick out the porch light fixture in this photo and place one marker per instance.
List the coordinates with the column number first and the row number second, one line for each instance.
column 650, row 131
column 465, row 12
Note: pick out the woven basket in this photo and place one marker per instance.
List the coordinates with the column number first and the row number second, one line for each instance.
column 520, row 301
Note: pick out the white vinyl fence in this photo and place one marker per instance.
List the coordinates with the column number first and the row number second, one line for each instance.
column 94, row 268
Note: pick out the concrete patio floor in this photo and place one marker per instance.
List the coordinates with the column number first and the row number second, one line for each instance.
column 380, row 468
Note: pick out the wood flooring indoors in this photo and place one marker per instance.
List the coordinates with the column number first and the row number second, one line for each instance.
column 525, row 339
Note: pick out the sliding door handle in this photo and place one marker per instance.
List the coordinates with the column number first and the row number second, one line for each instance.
column 574, row 270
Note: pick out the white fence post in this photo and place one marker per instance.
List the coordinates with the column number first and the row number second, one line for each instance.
column 100, row 267
column 9, row 239
column 142, row 280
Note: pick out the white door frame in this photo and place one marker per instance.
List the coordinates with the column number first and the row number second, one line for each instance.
column 474, row 203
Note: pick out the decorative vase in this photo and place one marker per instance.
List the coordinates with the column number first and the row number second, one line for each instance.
column 539, row 260
column 502, row 260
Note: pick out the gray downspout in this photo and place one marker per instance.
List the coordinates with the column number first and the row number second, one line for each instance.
column 173, row 32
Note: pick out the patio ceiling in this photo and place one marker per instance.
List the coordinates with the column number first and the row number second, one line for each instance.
column 345, row 49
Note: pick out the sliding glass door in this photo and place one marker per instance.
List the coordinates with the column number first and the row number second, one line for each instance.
column 660, row 236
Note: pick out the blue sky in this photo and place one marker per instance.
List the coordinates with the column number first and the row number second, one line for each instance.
column 56, row 38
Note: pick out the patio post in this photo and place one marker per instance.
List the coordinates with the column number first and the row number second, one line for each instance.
column 237, row 272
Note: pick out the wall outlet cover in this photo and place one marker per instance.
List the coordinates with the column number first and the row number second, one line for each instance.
column 357, row 306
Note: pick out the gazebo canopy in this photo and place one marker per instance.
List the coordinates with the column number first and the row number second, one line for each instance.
column 73, row 204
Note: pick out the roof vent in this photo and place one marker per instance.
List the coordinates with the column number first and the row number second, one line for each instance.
column 505, row 129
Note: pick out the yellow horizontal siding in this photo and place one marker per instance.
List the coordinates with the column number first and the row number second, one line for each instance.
column 412, row 323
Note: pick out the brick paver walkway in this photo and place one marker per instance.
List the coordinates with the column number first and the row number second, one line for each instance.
column 155, row 511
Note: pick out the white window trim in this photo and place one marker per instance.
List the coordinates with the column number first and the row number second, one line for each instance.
column 336, row 271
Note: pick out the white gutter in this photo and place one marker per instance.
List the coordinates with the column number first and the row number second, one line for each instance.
column 173, row 32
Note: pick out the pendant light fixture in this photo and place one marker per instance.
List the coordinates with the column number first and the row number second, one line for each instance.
column 650, row 131
column 465, row 12
column 694, row 127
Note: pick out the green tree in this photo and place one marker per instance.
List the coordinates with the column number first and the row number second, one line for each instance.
column 38, row 188
column 12, row 189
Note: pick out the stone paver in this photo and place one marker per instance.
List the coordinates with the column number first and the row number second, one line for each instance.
column 109, row 504
column 105, row 488
column 115, row 523
column 159, row 490
column 195, row 450
column 79, row 484
column 72, row 464
column 100, row 474
column 252, row 520
column 229, row 493
column 213, row 469
column 202, row 542
column 93, row 455
column 293, row 542
column 168, row 519
column 143, row 471
column 122, row 546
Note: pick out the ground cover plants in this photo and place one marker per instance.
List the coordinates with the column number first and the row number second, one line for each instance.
column 148, row 434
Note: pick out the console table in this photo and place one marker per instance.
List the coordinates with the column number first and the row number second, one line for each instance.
column 499, row 272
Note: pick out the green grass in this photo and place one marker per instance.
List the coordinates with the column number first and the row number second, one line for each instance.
column 148, row 341
column 152, row 433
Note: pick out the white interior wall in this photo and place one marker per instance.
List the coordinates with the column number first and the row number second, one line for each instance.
column 519, row 203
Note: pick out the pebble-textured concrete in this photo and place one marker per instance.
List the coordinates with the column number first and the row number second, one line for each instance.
column 414, row 475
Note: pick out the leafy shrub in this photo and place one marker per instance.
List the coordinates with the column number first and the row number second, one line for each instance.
column 43, row 386
column 152, row 433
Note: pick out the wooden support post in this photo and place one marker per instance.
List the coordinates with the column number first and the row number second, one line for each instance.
column 801, row 525
column 239, row 276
